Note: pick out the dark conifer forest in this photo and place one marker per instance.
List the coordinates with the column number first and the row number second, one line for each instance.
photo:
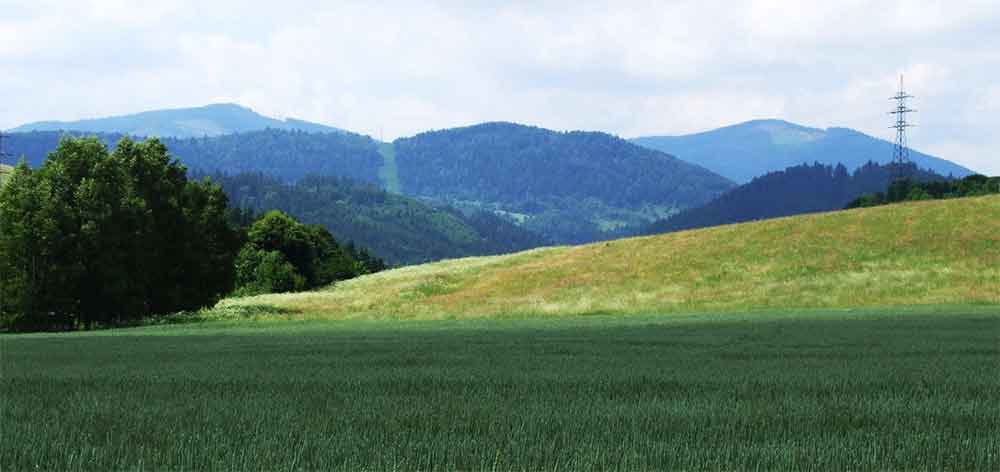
column 907, row 189
column 793, row 191
column 570, row 187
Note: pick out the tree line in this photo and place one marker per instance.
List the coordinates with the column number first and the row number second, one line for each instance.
column 94, row 238
column 908, row 189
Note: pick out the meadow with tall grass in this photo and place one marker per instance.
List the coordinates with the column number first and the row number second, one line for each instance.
column 934, row 252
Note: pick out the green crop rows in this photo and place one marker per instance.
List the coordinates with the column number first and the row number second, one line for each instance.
column 794, row 391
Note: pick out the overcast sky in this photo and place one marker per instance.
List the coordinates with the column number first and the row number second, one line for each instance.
column 628, row 68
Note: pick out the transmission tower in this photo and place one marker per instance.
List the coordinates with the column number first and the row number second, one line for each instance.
column 901, row 153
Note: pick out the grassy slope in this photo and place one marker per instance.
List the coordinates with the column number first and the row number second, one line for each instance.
column 389, row 174
column 939, row 252
column 4, row 170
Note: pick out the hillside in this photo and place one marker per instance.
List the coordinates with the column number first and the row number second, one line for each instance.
column 747, row 150
column 210, row 120
column 569, row 187
column 287, row 155
column 4, row 170
column 793, row 191
column 395, row 228
column 936, row 252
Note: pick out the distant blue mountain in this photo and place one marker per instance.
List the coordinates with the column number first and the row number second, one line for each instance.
column 747, row 150
column 211, row 120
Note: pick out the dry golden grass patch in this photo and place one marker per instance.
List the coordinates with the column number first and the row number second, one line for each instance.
column 939, row 252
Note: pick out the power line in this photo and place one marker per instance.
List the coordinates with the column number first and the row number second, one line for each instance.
column 901, row 153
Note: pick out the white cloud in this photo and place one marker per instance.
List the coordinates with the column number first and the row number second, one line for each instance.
column 628, row 67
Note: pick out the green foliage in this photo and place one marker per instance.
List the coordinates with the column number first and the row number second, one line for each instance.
column 283, row 255
column 889, row 389
column 908, row 189
column 95, row 238
column 261, row 271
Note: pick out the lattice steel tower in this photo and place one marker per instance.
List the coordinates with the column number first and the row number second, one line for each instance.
column 901, row 153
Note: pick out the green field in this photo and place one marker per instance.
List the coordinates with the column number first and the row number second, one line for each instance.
column 912, row 389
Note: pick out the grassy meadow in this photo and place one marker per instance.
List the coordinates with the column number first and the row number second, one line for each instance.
column 906, row 389
column 935, row 252
column 4, row 170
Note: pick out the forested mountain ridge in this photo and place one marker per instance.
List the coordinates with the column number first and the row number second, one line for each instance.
column 568, row 186
column 793, row 191
column 395, row 228
column 288, row 155
column 747, row 150
column 209, row 120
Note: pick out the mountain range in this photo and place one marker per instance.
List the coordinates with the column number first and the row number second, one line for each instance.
column 211, row 120
column 570, row 187
column 747, row 150
column 565, row 187
column 558, row 187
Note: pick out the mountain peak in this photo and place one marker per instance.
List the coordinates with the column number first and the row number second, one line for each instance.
column 209, row 120
column 754, row 148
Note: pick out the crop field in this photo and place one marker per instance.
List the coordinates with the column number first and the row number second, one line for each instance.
column 876, row 389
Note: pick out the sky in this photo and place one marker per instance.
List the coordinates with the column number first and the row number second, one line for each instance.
column 630, row 68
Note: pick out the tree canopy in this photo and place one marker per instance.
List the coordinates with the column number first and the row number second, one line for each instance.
column 283, row 255
column 94, row 237
column 908, row 189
